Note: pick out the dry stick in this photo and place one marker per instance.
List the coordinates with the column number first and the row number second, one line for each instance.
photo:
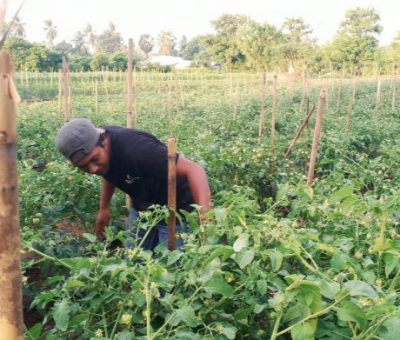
column 65, row 89
column 394, row 93
column 378, row 97
column 105, row 87
column 351, row 104
column 60, row 93
column 171, row 193
column 298, row 132
column 11, row 320
column 317, row 132
column 96, row 96
column 339, row 93
column 303, row 97
column 273, row 121
column 69, row 92
column 261, row 128
column 128, row 200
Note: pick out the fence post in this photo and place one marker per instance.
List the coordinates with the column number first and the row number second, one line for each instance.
column 171, row 193
column 11, row 320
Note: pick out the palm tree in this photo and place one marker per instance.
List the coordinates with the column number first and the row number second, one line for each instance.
column 51, row 33
column 79, row 44
column 17, row 29
column 90, row 38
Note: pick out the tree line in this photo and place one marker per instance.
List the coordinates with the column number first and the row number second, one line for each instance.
column 238, row 42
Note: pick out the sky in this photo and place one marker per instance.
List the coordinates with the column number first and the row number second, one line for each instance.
column 191, row 17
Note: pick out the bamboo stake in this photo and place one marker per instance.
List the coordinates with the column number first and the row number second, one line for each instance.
column 351, row 104
column 298, row 132
column 378, row 97
column 317, row 132
column 59, row 93
column 394, row 87
column 11, row 320
column 339, row 93
column 128, row 200
column 261, row 128
column 273, row 120
column 172, row 193
column 65, row 89
column 96, row 96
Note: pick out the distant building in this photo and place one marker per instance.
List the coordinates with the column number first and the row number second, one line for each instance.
column 168, row 60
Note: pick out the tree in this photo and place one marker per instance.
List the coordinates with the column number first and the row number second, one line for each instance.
column 192, row 48
column 17, row 29
column 259, row 44
column 110, row 41
column 166, row 43
column 146, row 44
column 182, row 44
column 356, row 43
column 119, row 62
column 64, row 48
column 90, row 38
column 99, row 62
column 298, row 45
column 223, row 46
column 19, row 49
column 51, row 33
column 42, row 59
column 79, row 46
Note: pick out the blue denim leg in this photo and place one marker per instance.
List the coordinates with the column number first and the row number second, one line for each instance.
column 163, row 234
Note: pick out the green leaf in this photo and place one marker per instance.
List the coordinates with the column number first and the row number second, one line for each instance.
column 90, row 237
column 341, row 194
column 241, row 242
column 186, row 314
column 224, row 251
column 74, row 284
column 282, row 192
column 229, row 331
column 391, row 262
column 360, row 288
column 35, row 331
column 390, row 329
column 218, row 286
column 244, row 257
column 305, row 330
column 351, row 312
column 276, row 258
column 61, row 315
column 329, row 289
column 339, row 261
column 174, row 256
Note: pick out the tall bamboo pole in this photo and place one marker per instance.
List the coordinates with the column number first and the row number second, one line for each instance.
column 351, row 104
column 261, row 127
column 171, row 193
column 394, row 88
column 11, row 320
column 273, row 120
column 128, row 200
column 65, row 89
column 317, row 132
column 378, row 97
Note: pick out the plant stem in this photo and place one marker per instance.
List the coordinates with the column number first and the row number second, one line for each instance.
column 312, row 316
column 276, row 325
column 51, row 258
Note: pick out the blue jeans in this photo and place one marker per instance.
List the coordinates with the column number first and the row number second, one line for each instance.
column 157, row 235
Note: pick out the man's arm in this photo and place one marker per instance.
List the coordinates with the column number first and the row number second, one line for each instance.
column 103, row 217
column 198, row 182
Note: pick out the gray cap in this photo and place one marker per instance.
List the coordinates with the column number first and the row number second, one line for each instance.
column 77, row 138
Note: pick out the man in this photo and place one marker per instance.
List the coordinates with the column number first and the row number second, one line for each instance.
column 135, row 162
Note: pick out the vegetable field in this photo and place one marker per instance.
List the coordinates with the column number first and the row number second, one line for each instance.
column 278, row 259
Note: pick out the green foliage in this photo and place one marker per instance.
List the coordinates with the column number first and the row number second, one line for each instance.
column 99, row 62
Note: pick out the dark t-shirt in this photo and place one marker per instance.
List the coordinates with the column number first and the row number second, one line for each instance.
column 139, row 167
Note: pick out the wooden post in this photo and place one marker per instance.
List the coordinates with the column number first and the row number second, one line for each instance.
column 339, row 94
column 96, row 96
column 273, row 121
column 128, row 201
column 65, row 90
column 317, row 132
column 298, row 132
column 378, row 97
column 11, row 320
column 394, row 87
column 60, row 93
column 171, row 193
column 261, row 127
column 351, row 104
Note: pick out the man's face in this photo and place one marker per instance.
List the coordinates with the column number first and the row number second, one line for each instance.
column 96, row 162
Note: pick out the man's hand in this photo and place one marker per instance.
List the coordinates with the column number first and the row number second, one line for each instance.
column 103, row 217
